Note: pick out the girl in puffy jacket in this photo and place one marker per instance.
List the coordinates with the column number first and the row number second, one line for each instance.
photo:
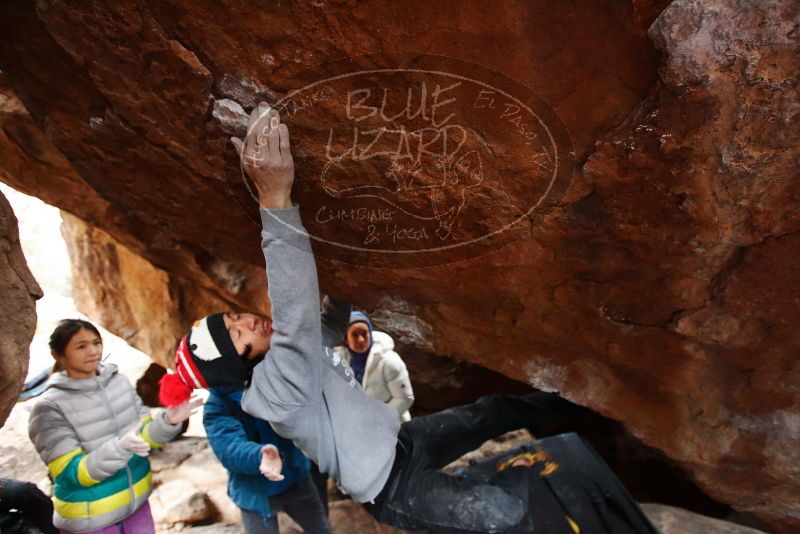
column 376, row 366
column 93, row 432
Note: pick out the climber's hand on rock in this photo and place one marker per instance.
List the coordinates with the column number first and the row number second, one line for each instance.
column 271, row 463
column 267, row 157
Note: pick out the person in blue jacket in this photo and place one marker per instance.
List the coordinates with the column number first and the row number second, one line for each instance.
column 240, row 442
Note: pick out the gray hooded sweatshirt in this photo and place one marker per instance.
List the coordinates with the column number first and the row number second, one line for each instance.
column 305, row 391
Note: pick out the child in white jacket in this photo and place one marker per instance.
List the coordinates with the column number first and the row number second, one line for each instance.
column 377, row 367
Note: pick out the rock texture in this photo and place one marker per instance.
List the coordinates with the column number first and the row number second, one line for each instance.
column 669, row 520
column 349, row 516
column 18, row 319
column 187, row 468
column 141, row 303
column 703, row 180
column 660, row 291
column 184, row 503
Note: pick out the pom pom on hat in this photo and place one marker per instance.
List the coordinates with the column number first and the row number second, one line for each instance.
column 172, row 391
column 206, row 357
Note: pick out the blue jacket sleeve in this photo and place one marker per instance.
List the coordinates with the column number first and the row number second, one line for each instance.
column 228, row 438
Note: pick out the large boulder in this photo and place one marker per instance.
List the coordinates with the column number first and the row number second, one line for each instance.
column 703, row 182
column 657, row 287
column 18, row 318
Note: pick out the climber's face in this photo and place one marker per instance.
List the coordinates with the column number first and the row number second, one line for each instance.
column 249, row 333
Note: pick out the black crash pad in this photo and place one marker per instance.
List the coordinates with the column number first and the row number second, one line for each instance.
column 567, row 489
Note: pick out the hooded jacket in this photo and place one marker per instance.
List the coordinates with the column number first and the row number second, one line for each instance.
column 306, row 393
column 385, row 375
column 236, row 439
column 74, row 426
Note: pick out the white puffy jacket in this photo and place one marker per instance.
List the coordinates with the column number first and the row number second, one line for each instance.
column 385, row 375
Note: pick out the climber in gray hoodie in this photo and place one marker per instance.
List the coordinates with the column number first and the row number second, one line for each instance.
column 308, row 395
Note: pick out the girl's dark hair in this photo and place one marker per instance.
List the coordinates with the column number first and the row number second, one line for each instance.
column 66, row 330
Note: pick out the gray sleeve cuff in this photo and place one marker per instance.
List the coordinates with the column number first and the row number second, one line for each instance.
column 162, row 432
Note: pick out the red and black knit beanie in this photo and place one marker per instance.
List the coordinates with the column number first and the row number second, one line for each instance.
column 206, row 358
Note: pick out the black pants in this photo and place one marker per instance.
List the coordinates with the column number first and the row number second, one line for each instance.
column 321, row 483
column 418, row 496
column 301, row 502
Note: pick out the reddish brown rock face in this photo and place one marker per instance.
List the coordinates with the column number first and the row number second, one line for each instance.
column 18, row 320
column 128, row 295
column 658, row 290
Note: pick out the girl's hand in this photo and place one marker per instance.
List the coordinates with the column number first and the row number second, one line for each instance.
column 130, row 441
column 182, row 412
